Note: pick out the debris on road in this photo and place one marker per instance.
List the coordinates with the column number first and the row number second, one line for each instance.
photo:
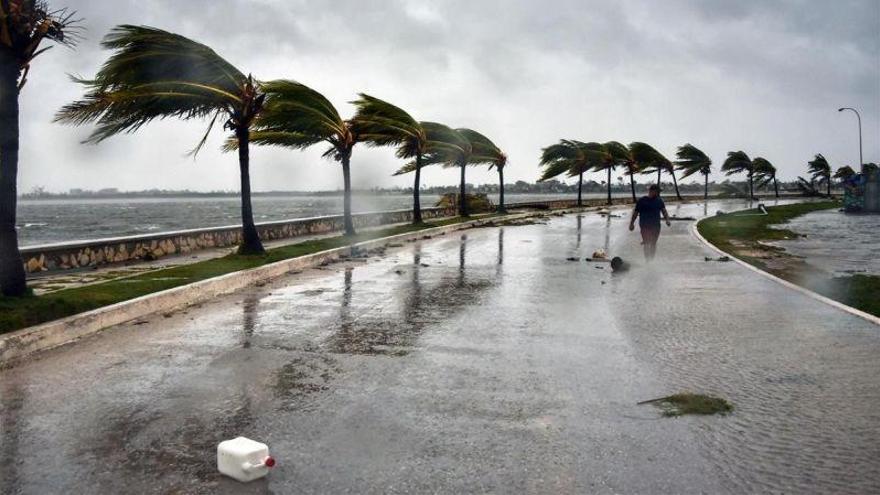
column 722, row 259
column 572, row 259
column 690, row 403
column 618, row 265
column 244, row 459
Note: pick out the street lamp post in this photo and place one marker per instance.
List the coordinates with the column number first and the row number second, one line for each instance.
column 859, row 117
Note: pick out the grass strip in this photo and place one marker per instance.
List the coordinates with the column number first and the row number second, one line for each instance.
column 22, row 312
column 741, row 234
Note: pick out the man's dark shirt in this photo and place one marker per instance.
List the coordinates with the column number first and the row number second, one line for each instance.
column 649, row 211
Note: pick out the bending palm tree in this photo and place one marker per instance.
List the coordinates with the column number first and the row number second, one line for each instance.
column 296, row 116
column 443, row 146
column 24, row 25
column 379, row 123
column 154, row 74
column 485, row 151
column 691, row 160
column 844, row 173
column 608, row 163
column 820, row 170
column 738, row 162
column 765, row 172
column 622, row 156
column 649, row 159
column 573, row 158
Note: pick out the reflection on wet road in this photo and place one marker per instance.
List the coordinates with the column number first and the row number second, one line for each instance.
column 479, row 361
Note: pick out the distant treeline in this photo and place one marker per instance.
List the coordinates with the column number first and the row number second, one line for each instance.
column 519, row 187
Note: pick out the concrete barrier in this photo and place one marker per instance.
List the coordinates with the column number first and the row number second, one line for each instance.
column 98, row 252
column 19, row 344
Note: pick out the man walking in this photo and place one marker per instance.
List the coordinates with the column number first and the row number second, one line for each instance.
column 648, row 210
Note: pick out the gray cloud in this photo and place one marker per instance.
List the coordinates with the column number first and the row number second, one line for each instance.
column 765, row 77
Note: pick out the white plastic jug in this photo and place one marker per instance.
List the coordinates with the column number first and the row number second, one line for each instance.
column 244, row 459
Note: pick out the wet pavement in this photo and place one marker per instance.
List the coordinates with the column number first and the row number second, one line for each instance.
column 480, row 361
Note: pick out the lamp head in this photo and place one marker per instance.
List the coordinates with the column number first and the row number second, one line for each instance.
column 841, row 109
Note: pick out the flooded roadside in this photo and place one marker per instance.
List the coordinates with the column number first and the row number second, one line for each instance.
column 838, row 243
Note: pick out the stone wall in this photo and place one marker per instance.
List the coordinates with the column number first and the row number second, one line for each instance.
column 98, row 252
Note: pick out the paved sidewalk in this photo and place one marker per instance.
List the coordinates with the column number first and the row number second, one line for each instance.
column 477, row 362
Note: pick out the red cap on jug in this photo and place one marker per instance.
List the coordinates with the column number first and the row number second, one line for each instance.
column 269, row 461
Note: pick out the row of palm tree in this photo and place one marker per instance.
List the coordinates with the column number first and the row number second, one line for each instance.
column 154, row 74
column 575, row 158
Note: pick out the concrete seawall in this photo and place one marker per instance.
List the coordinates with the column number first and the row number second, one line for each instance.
column 98, row 252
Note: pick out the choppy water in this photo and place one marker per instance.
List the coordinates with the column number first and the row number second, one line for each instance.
column 49, row 221
column 840, row 243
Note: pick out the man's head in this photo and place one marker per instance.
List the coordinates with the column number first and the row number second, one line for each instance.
column 653, row 191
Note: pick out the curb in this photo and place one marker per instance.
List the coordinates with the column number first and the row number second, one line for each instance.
column 17, row 345
column 807, row 292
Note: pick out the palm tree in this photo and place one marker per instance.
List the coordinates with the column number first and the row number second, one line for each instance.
column 820, row 170
column 447, row 147
column 622, row 156
column 573, row 158
column 296, row 116
column 154, row 74
column 691, row 160
column 608, row 163
column 485, row 151
column 24, row 26
column 844, row 173
column 649, row 159
column 452, row 148
column 379, row 123
column 739, row 162
column 765, row 172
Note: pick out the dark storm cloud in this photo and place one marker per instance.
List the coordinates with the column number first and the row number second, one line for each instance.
column 761, row 76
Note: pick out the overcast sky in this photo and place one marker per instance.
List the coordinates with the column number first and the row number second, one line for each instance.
column 762, row 76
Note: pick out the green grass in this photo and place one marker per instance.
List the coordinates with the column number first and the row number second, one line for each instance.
column 17, row 313
column 689, row 403
column 739, row 234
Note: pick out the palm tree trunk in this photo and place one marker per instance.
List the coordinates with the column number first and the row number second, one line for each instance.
column 346, row 202
column 705, row 187
column 776, row 187
column 675, row 183
column 609, row 185
column 828, row 182
column 417, row 207
column 632, row 186
column 501, row 208
column 751, row 188
column 659, row 177
column 580, row 187
column 463, row 209
column 12, row 276
column 250, row 239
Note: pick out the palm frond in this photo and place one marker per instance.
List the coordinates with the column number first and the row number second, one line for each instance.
column 691, row 160
column 379, row 123
column 819, row 168
column 648, row 158
column 296, row 108
column 153, row 74
column 737, row 162
column 844, row 173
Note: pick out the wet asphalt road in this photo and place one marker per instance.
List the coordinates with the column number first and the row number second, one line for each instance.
column 480, row 361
